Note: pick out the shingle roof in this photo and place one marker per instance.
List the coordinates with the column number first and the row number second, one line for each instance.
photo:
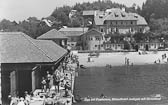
column 73, row 31
column 118, row 14
column 17, row 47
column 89, row 12
column 140, row 20
column 52, row 34
column 93, row 32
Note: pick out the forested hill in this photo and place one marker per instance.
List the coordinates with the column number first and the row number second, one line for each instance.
column 155, row 12
column 61, row 14
column 155, row 9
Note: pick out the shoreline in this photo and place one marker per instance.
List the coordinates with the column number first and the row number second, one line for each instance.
column 118, row 59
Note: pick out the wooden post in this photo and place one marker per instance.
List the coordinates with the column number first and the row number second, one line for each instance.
column 0, row 86
column 13, row 89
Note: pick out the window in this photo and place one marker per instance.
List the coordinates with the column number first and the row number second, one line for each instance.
column 90, row 38
column 111, row 29
column 155, row 45
column 116, row 29
column 101, row 30
column 97, row 38
column 72, row 39
column 131, row 22
column 116, row 22
column 121, row 22
column 115, row 46
column 95, row 45
column 102, row 45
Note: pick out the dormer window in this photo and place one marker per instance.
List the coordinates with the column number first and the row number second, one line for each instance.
column 136, row 16
column 101, row 16
column 123, row 15
column 111, row 23
column 116, row 15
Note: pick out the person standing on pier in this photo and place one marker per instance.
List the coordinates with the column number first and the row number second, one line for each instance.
column 56, row 79
column 43, row 83
column 48, row 78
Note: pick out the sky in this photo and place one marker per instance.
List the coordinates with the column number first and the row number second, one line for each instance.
column 19, row 10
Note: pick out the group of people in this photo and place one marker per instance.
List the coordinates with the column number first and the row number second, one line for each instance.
column 46, row 82
column 57, row 77
column 61, row 77
column 164, row 58
column 22, row 100
column 127, row 61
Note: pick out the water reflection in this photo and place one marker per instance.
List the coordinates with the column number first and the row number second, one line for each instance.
column 135, row 81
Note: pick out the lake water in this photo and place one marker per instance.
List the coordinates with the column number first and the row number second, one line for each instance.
column 121, row 82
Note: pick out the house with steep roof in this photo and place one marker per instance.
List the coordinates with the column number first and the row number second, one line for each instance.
column 116, row 20
column 74, row 36
column 56, row 36
column 93, row 40
column 24, row 61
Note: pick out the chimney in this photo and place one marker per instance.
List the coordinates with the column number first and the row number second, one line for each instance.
column 123, row 9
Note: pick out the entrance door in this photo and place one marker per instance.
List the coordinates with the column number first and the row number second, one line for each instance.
column 24, row 81
column 146, row 47
column 13, row 89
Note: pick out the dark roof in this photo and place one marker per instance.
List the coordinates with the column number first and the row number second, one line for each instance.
column 52, row 34
column 17, row 47
column 73, row 31
column 109, row 42
column 93, row 32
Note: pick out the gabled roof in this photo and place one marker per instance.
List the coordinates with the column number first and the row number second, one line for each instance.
column 140, row 20
column 93, row 32
column 117, row 14
column 17, row 47
column 76, row 31
column 89, row 12
column 52, row 34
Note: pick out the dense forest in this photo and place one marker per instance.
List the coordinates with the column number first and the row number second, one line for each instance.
column 154, row 11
